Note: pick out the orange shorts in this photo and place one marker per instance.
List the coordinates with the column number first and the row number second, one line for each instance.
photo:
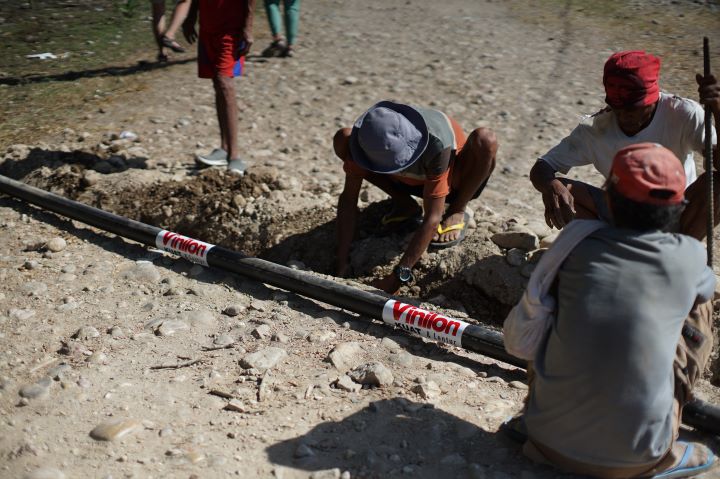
column 217, row 55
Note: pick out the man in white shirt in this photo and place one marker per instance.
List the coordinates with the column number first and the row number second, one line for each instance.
column 637, row 112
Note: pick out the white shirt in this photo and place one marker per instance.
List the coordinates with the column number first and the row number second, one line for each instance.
column 678, row 125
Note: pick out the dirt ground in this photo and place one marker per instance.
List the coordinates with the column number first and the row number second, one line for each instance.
column 95, row 329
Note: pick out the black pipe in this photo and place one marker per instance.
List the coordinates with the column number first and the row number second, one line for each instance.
column 471, row 337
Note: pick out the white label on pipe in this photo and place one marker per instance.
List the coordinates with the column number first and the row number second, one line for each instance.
column 189, row 248
column 427, row 324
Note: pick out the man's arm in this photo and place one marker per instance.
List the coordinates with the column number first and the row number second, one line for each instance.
column 188, row 26
column 247, row 33
column 346, row 220
column 420, row 241
column 558, row 201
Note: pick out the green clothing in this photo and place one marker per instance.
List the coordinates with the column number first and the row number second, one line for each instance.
column 292, row 18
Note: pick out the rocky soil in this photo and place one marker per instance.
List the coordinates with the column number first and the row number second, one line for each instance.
column 117, row 360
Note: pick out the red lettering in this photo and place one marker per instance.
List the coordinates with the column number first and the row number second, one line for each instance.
column 452, row 324
column 439, row 323
column 399, row 308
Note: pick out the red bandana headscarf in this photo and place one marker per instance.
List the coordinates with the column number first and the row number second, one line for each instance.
column 631, row 79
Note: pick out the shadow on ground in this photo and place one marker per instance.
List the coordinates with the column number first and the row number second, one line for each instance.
column 396, row 437
column 111, row 71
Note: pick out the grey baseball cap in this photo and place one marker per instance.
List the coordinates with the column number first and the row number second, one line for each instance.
column 388, row 138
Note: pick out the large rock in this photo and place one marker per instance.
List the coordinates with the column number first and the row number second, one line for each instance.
column 518, row 237
column 495, row 278
column 263, row 359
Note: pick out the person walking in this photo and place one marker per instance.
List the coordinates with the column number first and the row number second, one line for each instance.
column 225, row 38
column 283, row 47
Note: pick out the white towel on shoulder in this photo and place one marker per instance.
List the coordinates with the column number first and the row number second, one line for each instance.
column 527, row 323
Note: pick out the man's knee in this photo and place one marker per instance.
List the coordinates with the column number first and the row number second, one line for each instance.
column 341, row 143
column 223, row 84
column 485, row 141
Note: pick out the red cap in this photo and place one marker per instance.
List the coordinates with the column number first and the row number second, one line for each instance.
column 631, row 79
column 648, row 173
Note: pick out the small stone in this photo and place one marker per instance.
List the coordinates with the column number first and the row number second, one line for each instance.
column 37, row 390
column 85, row 333
column 45, row 473
column 56, row 244
column 333, row 473
column 321, row 336
column 21, row 314
column 547, row 241
column 58, row 372
column 34, row 288
column 303, row 450
column 350, row 80
column 235, row 405
column 516, row 257
column 114, row 430
column 168, row 328
column 201, row 318
column 428, row 390
column 116, row 332
column 261, row 332
column 343, row 356
column 223, row 340
column 234, row 310
column 345, row 383
column 31, row 264
column 264, row 358
column 280, row 338
column 374, row 374
column 98, row 357
column 517, row 385
column 141, row 271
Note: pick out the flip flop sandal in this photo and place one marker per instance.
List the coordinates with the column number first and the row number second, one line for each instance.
column 171, row 44
column 392, row 220
column 458, row 226
column 682, row 470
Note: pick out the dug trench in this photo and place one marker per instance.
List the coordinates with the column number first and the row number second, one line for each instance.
column 268, row 215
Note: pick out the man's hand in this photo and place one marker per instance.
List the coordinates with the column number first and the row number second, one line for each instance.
column 188, row 28
column 245, row 44
column 559, row 204
column 709, row 90
column 390, row 283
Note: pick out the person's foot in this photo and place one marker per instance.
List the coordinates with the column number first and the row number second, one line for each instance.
column 690, row 459
column 450, row 227
column 218, row 157
column 288, row 52
column 237, row 166
column 162, row 58
column 275, row 49
column 171, row 44
column 401, row 212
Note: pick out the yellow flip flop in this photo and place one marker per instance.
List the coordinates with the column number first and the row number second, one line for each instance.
column 390, row 219
column 457, row 226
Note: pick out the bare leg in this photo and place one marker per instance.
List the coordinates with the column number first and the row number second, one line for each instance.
column 225, row 103
column 693, row 221
column 158, row 24
column 476, row 162
column 178, row 17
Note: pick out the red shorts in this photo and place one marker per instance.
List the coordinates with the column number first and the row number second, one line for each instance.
column 217, row 55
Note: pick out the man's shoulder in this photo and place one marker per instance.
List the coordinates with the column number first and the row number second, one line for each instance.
column 677, row 105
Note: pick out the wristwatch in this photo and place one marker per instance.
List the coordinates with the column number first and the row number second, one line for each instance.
column 404, row 274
